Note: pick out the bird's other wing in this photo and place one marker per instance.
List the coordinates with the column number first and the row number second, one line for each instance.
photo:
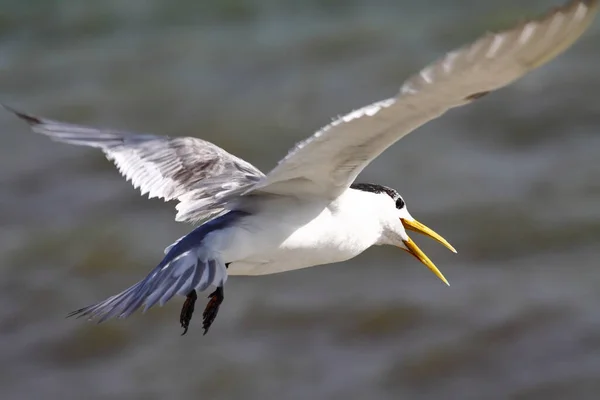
column 329, row 161
column 197, row 173
column 188, row 264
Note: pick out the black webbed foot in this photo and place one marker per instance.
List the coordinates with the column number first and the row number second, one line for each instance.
column 187, row 310
column 212, row 308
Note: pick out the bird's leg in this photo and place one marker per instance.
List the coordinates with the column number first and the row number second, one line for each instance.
column 210, row 312
column 212, row 308
column 187, row 310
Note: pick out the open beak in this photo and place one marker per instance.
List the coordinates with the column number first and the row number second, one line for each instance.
column 418, row 253
column 416, row 226
column 413, row 249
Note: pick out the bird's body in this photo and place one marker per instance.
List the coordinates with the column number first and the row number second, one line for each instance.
column 291, row 233
column 307, row 211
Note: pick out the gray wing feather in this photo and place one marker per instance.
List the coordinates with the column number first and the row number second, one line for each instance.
column 330, row 160
column 200, row 175
column 180, row 276
column 187, row 265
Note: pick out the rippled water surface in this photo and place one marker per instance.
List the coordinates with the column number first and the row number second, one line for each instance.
column 512, row 181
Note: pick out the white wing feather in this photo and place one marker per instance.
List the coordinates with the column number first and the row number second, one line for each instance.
column 329, row 161
column 199, row 174
column 206, row 179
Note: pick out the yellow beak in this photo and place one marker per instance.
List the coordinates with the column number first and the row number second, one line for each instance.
column 418, row 253
column 413, row 249
column 418, row 227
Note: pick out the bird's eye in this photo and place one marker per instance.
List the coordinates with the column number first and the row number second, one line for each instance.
column 399, row 203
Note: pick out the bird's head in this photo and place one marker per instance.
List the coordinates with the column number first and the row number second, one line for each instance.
column 398, row 221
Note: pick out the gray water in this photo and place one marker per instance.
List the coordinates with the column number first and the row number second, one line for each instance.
column 512, row 181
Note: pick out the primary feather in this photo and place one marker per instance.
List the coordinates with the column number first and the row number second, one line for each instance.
column 329, row 161
column 205, row 178
column 200, row 175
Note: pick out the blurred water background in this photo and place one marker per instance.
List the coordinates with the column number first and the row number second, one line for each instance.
column 512, row 181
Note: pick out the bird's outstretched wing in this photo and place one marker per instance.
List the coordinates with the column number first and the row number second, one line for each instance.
column 197, row 173
column 329, row 161
column 205, row 178
column 188, row 265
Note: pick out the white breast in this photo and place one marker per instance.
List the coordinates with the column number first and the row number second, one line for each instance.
column 287, row 234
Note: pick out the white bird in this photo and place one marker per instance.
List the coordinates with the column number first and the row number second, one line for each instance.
column 307, row 211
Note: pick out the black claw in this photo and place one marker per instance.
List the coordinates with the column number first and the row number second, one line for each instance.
column 212, row 308
column 187, row 311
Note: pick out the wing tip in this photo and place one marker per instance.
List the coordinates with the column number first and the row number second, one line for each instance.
column 568, row 8
column 30, row 119
column 571, row 7
column 590, row 3
column 82, row 312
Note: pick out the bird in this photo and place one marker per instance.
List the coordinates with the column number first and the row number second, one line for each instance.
column 308, row 210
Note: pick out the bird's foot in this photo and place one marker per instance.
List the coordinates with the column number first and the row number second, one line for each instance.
column 212, row 308
column 187, row 311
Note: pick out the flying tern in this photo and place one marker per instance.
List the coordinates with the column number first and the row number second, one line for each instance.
column 308, row 210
